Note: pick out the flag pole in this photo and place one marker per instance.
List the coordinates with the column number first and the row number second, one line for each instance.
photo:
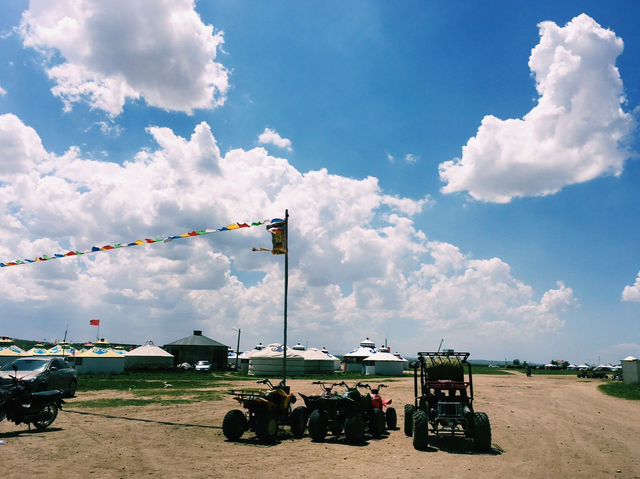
column 286, row 287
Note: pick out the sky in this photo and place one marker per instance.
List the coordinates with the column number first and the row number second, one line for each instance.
column 456, row 172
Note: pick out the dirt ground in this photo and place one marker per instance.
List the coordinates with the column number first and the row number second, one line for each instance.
column 542, row 426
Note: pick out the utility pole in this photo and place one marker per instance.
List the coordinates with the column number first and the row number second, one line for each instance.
column 238, row 349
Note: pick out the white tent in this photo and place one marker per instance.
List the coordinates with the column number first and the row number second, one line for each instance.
column 383, row 363
column 148, row 356
column 9, row 353
column 316, row 362
column 405, row 362
column 243, row 363
column 353, row 359
column 100, row 361
column 269, row 362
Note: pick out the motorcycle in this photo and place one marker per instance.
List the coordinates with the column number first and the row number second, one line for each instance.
column 19, row 405
column 379, row 403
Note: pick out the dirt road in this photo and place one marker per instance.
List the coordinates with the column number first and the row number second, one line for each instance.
column 543, row 427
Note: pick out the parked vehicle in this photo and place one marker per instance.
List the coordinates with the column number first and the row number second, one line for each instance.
column 266, row 411
column 377, row 402
column 444, row 401
column 592, row 374
column 20, row 405
column 41, row 374
column 203, row 366
column 350, row 411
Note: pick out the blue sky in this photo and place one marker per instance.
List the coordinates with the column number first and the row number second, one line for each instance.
column 465, row 171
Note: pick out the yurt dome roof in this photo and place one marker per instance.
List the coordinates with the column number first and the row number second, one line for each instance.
column 382, row 356
column 367, row 343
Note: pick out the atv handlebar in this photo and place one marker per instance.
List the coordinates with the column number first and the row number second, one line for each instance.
column 372, row 389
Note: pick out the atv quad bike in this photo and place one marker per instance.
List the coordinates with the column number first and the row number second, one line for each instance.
column 443, row 403
column 350, row 411
column 377, row 402
column 266, row 411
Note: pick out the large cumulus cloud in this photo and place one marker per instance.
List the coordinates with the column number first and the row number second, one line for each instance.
column 357, row 261
column 575, row 133
column 105, row 53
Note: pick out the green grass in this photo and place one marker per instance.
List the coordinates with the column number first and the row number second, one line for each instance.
column 621, row 390
column 478, row 369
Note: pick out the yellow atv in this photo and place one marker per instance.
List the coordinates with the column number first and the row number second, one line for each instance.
column 266, row 410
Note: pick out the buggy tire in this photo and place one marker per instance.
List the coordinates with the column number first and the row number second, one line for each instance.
column 392, row 418
column 377, row 423
column 298, row 421
column 420, row 430
column 318, row 425
column 233, row 424
column 47, row 416
column 266, row 427
column 481, row 432
column 409, row 409
column 354, row 429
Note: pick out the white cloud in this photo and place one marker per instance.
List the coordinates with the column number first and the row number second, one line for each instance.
column 632, row 293
column 411, row 158
column 575, row 133
column 269, row 136
column 357, row 261
column 157, row 50
column 3, row 92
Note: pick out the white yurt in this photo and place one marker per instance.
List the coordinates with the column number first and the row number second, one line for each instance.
column 61, row 349
column 9, row 353
column 385, row 364
column 316, row 362
column 630, row 370
column 99, row 360
column 243, row 363
column 336, row 360
column 269, row 362
column 353, row 359
column 405, row 362
column 37, row 350
column 148, row 356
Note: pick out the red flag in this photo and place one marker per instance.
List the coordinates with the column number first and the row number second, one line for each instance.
column 94, row 322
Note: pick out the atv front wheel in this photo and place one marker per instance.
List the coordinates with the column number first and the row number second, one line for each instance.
column 420, row 430
column 298, row 421
column 376, row 423
column 392, row 418
column 409, row 409
column 266, row 427
column 354, row 428
column 318, row 425
column 481, row 432
column 233, row 424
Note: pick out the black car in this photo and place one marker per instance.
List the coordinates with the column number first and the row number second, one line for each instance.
column 42, row 374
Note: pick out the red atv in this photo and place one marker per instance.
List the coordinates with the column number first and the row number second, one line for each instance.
column 379, row 403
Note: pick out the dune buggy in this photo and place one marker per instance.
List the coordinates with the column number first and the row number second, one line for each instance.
column 350, row 411
column 443, row 403
column 266, row 411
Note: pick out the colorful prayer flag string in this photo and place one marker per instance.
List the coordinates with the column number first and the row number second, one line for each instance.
column 95, row 249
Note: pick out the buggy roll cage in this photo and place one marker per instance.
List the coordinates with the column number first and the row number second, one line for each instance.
column 440, row 385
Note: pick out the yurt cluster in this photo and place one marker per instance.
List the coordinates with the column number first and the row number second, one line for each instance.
column 365, row 359
column 101, row 357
